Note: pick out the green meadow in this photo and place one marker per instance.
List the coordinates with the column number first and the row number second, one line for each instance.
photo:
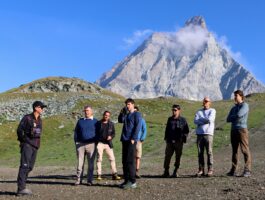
column 58, row 149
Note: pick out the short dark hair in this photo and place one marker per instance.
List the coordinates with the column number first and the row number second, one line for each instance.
column 136, row 108
column 176, row 106
column 106, row 111
column 129, row 100
column 240, row 93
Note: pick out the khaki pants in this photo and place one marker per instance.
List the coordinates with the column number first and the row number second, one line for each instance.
column 88, row 150
column 109, row 151
column 205, row 142
column 239, row 137
column 170, row 149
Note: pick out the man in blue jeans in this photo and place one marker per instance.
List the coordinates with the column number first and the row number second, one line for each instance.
column 131, row 126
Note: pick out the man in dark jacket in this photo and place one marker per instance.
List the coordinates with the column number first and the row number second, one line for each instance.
column 85, row 140
column 176, row 133
column 131, row 126
column 105, row 132
column 29, row 132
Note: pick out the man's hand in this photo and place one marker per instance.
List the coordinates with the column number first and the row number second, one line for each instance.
column 109, row 138
column 132, row 141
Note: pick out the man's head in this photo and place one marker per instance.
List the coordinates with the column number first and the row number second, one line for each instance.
column 88, row 111
column 239, row 96
column 176, row 110
column 130, row 104
column 206, row 102
column 106, row 116
column 38, row 106
column 136, row 108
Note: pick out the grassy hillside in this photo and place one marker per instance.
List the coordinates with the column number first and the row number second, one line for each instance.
column 57, row 146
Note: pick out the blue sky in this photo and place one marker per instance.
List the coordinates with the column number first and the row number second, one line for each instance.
column 84, row 39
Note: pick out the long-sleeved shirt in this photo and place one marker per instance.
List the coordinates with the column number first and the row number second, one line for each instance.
column 103, row 130
column 238, row 116
column 29, row 130
column 176, row 129
column 85, row 130
column 131, row 125
column 204, row 119
column 143, row 131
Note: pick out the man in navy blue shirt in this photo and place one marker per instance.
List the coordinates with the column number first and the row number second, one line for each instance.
column 85, row 140
column 131, row 126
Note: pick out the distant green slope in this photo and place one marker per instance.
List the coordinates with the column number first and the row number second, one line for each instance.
column 57, row 146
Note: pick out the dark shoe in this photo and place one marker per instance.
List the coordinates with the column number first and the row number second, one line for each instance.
column 175, row 174
column 231, row 173
column 166, row 174
column 246, row 174
column 24, row 192
column 116, row 177
column 122, row 185
column 129, row 185
column 89, row 183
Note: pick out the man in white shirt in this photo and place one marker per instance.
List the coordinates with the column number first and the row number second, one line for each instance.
column 204, row 119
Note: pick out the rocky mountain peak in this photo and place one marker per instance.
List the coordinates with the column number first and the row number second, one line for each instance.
column 196, row 21
column 188, row 64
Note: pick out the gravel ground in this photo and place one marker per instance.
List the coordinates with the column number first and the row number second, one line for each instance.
column 57, row 182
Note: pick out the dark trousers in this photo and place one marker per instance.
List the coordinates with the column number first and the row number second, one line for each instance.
column 27, row 161
column 128, row 161
column 239, row 137
column 170, row 149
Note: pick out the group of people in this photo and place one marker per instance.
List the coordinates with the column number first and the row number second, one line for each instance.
column 92, row 137
column 177, row 130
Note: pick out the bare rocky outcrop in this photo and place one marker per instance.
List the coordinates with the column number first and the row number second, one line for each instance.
column 59, row 84
column 60, row 94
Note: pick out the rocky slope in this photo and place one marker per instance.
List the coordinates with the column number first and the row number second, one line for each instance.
column 188, row 64
column 61, row 94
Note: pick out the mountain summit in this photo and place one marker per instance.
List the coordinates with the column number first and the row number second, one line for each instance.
column 188, row 64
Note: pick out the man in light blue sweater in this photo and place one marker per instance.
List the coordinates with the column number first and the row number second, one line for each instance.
column 238, row 116
column 204, row 119
column 139, row 145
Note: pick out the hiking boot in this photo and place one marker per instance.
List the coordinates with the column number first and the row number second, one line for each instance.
column 116, row 177
column 210, row 173
column 24, row 192
column 129, row 185
column 166, row 174
column 231, row 173
column 175, row 174
column 246, row 174
column 99, row 178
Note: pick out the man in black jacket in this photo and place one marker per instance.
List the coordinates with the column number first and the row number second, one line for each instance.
column 29, row 133
column 176, row 133
column 105, row 132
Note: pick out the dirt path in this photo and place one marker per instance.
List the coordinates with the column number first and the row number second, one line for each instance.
column 57, row 182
